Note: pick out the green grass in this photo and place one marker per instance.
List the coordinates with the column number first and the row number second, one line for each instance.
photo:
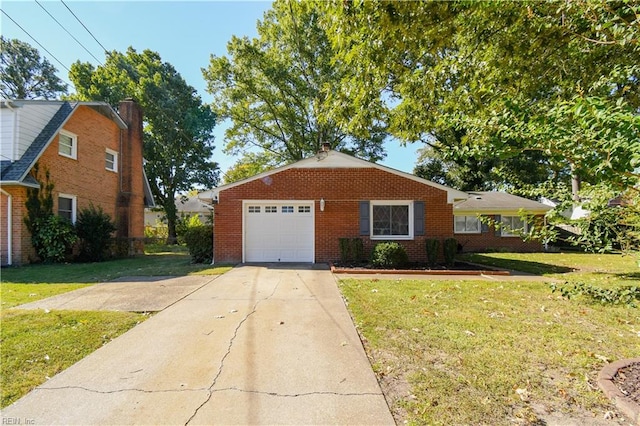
column 605, row 269
column 491, row 352
column 39, row 344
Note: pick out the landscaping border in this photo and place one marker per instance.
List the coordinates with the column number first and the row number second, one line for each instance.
column 340, row 270
column 605, row 380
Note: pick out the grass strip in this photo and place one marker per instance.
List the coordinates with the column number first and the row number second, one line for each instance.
column 37, row 345
column 478, row 352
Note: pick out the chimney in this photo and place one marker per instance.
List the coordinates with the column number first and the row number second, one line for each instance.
column 326, row 147
column 131, row 196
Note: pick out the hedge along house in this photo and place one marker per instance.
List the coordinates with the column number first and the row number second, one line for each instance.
column 298, row 212
column 93, row 155
column 502, row 209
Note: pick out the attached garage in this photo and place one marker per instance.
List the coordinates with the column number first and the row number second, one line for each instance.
column 278, row 231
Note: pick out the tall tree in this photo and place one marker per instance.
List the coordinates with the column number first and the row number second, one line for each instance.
column 178, row 140
column 25, row 75
column 559, row 78
column 273, row 90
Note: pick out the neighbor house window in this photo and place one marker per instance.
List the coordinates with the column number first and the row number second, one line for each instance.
column 68, row 144
column 111, row 160
column 391, row 220
column 511, row 224
column 67, row 207
column 467, row 224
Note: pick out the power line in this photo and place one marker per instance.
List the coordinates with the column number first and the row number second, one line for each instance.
column 37, row 42
column 64, row 28
column 85, row 27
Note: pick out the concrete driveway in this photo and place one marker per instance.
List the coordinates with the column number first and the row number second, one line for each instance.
column 261, row 344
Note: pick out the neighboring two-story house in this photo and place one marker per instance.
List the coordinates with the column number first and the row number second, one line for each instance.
column 93, row 155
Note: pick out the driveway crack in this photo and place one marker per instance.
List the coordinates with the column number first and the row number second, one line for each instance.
column 231, row 341
column 297, row 395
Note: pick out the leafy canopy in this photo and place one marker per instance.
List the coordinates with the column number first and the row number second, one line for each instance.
column 178, row 140
column 274, row 88
column 25, row 75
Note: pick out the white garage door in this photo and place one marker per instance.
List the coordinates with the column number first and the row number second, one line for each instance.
column 278, row 231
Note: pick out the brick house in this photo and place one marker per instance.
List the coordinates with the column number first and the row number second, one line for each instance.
column 474, row 234
column 298, row 213
column 93, row 155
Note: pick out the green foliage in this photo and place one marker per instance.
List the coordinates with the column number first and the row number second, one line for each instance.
column 432, row 246
column 54, row 238
column 351, row 250
column 178, row 140
column 94, row 228
column 274, row 88
column 357, row 249
column 345, row 249
column 450, row 247
column 533, row 93
column 199, row 240
column 389, row 255
column 624, row 295
column 24, row 74
column 39, row 202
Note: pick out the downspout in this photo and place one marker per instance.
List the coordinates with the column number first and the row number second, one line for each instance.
column 9, row 227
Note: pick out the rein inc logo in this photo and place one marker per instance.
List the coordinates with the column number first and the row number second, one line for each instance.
column 17, row 421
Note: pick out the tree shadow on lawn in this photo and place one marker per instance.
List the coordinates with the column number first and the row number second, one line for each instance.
column 536, row 268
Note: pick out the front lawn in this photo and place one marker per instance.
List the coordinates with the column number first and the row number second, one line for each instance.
column 492, row 352
column 37, row 344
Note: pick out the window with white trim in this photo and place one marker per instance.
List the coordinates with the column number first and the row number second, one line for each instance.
column 287, row 209
column 304, row 209
column 510, row 225
column 67, row 207
column 111, row 160
column 68, row 144
column 467, row 224
column 271, row 209
column 254, row 209
column 391, row 220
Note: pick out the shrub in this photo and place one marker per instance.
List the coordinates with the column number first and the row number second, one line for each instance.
column 432, row 245
column 357, row 249
column 345, row 249
column 94, row 228
column 52, row 238
column 450, row 249
column 389, row 255
column 625, row 295
column 199, row 240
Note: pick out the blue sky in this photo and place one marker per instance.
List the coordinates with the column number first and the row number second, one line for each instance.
column 185, row 34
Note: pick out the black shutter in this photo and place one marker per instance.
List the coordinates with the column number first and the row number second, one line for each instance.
column 498, row 231
column 484, row 226
column 418, row 218
column 364, row 218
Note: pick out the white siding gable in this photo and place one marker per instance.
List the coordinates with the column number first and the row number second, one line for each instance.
column 21, row 125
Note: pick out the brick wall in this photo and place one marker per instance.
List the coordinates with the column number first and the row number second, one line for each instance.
column 342, row 190
column 21, row 249
column 87, row 179
column 489, row 241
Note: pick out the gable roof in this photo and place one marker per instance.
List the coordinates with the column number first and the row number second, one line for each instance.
column 17, row 171
column 490, row 202
column 333, row 160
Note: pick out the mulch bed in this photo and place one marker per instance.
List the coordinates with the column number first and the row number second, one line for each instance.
column 459, row 268
column 628, row 381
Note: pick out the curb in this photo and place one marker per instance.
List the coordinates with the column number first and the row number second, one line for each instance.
column 338, row 270
column 627, row 406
